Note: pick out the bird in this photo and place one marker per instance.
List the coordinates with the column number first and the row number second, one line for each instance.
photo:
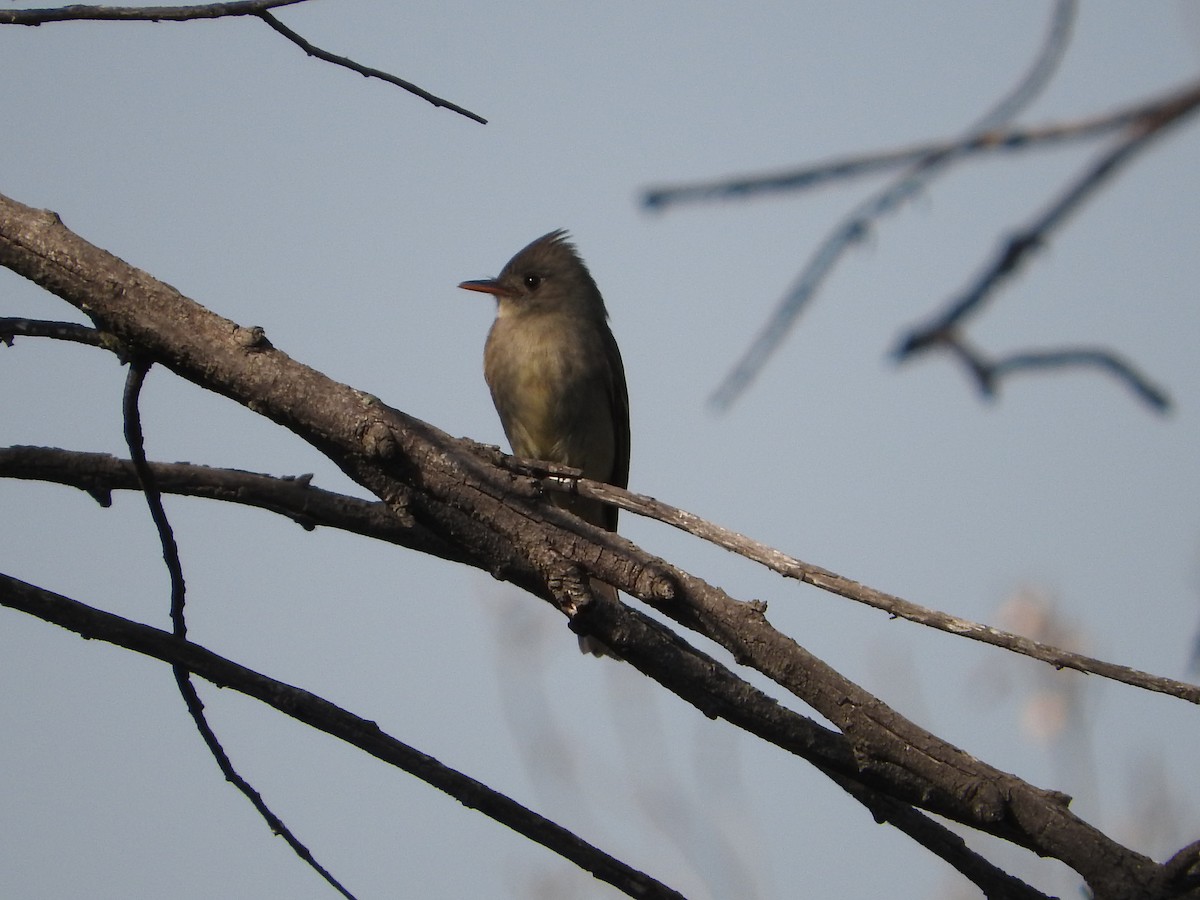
column 556, row 376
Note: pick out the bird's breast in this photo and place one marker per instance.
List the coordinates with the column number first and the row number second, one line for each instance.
column 548, row 377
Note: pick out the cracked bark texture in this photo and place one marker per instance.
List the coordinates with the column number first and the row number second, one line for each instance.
column 452, row 498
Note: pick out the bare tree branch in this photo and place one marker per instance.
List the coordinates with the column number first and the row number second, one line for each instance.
column 100, row 473
column 506, row 525
column 257, row 8
column 855, row 227
column 1136, row 126
column 852, row 590
column 1154, row 122
column 310, row 506
column 135, row 440
column 995, row 883
column 365, row 71
column 1009, row 139
column 1183, row 869
column 319, row 713
column 82, row 12
column 696, row 678
column 1001, row 139
column 988, row 372
column 11, row 327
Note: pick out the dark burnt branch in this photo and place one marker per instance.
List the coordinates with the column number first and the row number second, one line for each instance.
column 993, row 882
column 1183, row 869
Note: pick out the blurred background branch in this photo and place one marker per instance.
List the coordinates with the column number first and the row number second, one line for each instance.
column 1133, row 127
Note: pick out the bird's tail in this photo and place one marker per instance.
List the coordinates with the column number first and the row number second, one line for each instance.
column 589, row 644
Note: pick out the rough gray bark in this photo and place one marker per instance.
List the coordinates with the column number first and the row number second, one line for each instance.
column 455, row 499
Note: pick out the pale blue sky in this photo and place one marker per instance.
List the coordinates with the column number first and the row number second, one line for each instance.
column 339, row 214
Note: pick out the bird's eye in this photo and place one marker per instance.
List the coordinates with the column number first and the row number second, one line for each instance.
column 533, row 281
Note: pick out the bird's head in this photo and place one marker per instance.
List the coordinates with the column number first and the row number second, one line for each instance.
column 545, row 277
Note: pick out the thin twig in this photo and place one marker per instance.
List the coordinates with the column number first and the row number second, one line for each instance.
column 134, row 438
column 13, row 326
column 366, row 71
column 257, row 8
column 136, row 442
column 988, row 373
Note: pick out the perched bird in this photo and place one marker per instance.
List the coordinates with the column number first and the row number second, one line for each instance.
column 556, row 376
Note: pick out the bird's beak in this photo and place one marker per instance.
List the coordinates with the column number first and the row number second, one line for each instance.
column 485, row 286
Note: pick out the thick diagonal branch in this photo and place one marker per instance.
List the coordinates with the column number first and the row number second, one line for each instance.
column 502, row 524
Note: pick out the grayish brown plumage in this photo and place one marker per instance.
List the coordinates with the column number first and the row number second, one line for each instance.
column 555, row 372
